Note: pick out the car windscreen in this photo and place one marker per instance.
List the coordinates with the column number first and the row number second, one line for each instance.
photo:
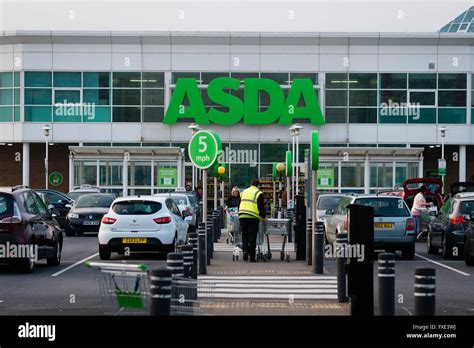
column 136, row 207
column 466, row 208
column 192, row 198
column 94, row 201
column 385, row 206
column 179, row 200
column 6, row 206
column 328, row 202
column 75, row 195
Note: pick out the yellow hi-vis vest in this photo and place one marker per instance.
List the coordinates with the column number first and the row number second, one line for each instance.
column 248, row 203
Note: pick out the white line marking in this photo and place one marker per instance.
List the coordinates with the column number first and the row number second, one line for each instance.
column 276, row 286
column 273, row 296
column 265, row 278
column 440, row 264
column 73, row 265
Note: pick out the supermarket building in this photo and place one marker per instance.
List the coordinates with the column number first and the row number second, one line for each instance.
column 384, row 98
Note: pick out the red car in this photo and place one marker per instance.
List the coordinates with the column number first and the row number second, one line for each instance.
column 432, row 194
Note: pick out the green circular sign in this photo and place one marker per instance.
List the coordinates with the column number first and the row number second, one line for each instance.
column 204, row 148
column 314, row 150
column 55, row 179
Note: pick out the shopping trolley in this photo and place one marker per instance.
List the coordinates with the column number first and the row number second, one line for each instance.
column 234, row 234
column 124, row 288
column 280, row 227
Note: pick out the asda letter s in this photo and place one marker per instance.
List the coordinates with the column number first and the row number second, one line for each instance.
column 231, row 110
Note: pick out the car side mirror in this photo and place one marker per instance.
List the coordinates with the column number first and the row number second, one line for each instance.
column 330, row 212
column 184, row 213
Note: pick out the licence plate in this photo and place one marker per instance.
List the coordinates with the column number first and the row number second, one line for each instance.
column 133, row 240
column 384, row 225
column 93, row 223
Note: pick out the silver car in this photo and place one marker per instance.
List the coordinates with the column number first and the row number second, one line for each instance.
column 185, row 205
column 327, row 202
column 394, row 227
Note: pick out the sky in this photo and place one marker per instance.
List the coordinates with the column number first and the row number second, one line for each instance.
column 231, row 15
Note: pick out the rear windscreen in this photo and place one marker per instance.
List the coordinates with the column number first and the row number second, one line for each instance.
column 328, row 202
column 466, row 208
column 179, row 200
column 385, row 206
column 136, row 207
column 6, row 206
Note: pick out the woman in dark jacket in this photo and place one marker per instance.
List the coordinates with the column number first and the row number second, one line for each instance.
column 234, row 199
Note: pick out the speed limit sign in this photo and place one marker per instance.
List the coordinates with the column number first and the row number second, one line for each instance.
column 204, row 148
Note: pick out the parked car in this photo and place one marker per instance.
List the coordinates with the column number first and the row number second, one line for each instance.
column 60, row 201
column 327, row 202
column 194, row 199
column 185, row 207
column 460, row 187
column 394, row 227
column 142, row 223
column 469, row 242
column 78, row 191
column 25, row 220
column 87, row 212
column 447, row 230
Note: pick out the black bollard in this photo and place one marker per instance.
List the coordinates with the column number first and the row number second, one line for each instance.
column 187, row 251
column 386, row 284
column 425, row 291
column 160, row 291
column 341, row 245
column 193, row 240
column 174, row 262
column 309, row 241
column 318, row 253
column 209, row 240
column 202, row 250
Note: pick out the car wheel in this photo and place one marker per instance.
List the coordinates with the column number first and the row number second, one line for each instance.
column 408, row 253
column 468, row 257
column 447, row 252
column 56, row 259
column 104, row 253
column 25, row 265
column 430, row 249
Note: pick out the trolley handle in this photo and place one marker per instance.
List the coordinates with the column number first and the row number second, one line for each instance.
column 117, row 266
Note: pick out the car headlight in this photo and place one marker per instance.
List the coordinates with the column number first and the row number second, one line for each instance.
column 73, row 216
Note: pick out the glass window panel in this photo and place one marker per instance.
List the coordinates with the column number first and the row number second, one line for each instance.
column 422, row 81
column 454, row 28
column 126, row 97
column 452, row 115
column 100, row 114
column 352, row 174
column 243, row 75
column 405, row 171
column 85, row 172
column 280, row 78
column 176, row 75
column 126, row 114
column 38, row 113
column 362, row 80
column 273, row 152
column 393, row 115
column 381, row 174
column 312, row 76
column 37, row 96
column 336, row 80
column 242, row 175
column 97, row 96
column 423, row 98
column 65, row 96
column 67, row 79
column 6, row 114
column 207, row 77
column 424, row 116
column 362, row 115
column 37, row 79
column 110, row 173
column 16, row 99
column 96, row 79
column 363, row 98
column 153, row 114
column 336, row 115
column 243, row 153
column 6, row 96
column 472, row 98
column 65, row 113
column 393, row 81
column 452, row 81
column 16, row 76
column 153, row 79
column 16, row 113
column 336, row 97
column 451, row 98
column 153, row 97
column 139, row 173
column 126, row 79
column 6, row 79
column 390, row 97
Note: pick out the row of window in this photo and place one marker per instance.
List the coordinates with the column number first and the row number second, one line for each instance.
column 9, row 96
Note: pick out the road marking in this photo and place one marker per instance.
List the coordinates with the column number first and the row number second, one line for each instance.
column 440, row 264
column 73, row 265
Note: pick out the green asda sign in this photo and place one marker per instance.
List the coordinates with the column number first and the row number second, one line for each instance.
column 280, row 109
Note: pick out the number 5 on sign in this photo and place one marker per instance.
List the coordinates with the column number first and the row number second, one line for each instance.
column 203, row 143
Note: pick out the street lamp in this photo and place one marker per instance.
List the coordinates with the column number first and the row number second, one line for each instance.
column 194, row 127
column 442, row 130
column 295, row 132
column 46, row 129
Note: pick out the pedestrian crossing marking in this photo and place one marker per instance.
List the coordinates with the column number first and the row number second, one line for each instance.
column 276, row 247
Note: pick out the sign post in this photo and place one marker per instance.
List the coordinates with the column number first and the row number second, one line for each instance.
column 204, row 148
column 289, row 172
column 318, row 239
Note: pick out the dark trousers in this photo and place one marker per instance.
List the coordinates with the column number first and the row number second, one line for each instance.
column 249, row 229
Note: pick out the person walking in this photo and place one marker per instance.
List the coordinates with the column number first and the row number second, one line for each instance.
column 234, row 199
column 419, row 206
column 251, row 211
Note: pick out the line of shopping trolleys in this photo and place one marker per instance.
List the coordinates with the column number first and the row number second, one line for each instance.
column 267, row 228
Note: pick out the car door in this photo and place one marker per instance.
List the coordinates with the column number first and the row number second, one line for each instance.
column 38, row 227
column 52, row 229
column 182, row 225
column 59, row 202
column 439, row 224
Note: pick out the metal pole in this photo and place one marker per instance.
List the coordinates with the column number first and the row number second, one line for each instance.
column 46, row 164
column 297, row 170
column 288, row 187
column 274, row 199
column 425, row 291
column 222, row 192
column 160, row 291
column 204, row 196
column 215, row 193
column 279, row 197
column 341, row 245
column 202, row 249
column 318, row 231
column 193, row 177
column 387, row 284
column 293, row 166
column 442, row 157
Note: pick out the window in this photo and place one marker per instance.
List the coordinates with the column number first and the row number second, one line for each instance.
column 393, row 81
column 362, row 81
column 136, row 207
column 452, row 81
column 55, row 198
column 67, row 79
column 452, row 98
column 381, row 174
column 38, row 79
column 126, row 79
column 29, row 203
column 96, row 80
column 41, row 208
column 422, row 81
column 352, row 174
column 362, row 98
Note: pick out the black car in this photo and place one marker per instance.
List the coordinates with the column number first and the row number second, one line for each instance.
column 26, row 224
column 87, row 212
column 59, row 201
column 446, row 231
column 469, row 243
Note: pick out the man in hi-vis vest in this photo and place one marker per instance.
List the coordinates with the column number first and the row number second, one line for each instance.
column 251, row 211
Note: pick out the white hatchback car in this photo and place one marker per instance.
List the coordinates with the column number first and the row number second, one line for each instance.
column 141, row 223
